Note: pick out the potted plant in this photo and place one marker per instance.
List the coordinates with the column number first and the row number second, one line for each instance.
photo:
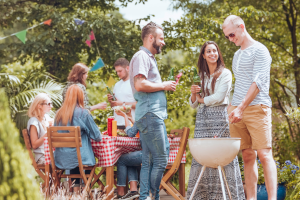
column 286, row 173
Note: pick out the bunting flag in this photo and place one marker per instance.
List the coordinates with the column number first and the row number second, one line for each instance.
column 99, row 64
column 92, row 36
column 111, row 81
column 88, row 42
column 78, row 21
column 48, row 22
column 21, row 35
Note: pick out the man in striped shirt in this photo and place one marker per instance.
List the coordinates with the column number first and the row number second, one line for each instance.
column 250, row 109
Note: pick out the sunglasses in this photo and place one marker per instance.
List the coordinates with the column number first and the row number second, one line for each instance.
column 231, row 35
column 47, row 104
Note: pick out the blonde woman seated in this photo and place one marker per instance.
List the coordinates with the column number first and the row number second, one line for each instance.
column 73, row 113
column 38, row 123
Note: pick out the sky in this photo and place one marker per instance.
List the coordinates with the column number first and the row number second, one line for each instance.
column 161, row 9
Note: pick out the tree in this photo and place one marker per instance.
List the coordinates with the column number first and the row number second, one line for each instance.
column 274, row 23
column 21, row 93
column 62, row 44
column 16, row 177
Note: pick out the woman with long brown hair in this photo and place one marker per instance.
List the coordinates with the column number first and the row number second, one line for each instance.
column 78, row 76
column 211, row 116
column 73, row 113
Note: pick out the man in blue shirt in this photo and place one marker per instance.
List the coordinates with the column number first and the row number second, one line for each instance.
column 151, row 109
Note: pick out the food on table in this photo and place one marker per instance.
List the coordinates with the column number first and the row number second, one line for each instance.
column 125, row 109
column 120, row 133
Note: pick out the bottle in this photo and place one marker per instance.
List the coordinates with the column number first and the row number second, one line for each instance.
column 171, row 75
column 196, row 78
column 112, row 94
column 114, row 128
column 109, row 125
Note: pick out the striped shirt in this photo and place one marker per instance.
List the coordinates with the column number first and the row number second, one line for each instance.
column 250, row 65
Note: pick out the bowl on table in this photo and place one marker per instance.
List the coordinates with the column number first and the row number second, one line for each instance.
column 214, row 152
column 125, row 109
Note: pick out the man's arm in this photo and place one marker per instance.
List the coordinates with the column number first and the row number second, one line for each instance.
column 237, row 114
column 141, row 84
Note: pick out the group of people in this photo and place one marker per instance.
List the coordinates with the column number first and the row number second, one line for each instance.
column 248, row 115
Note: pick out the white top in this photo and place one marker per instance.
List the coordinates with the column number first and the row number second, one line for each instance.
column 250, row 65
column 221, row 92
column 39, row 152
column 123, row 92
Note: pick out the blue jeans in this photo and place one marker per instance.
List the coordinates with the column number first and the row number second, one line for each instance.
column 153, row 135
column 128, row 165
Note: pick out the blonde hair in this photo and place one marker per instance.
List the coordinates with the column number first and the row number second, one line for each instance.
column 233, row 19
column 74, row 96
column 33, row 110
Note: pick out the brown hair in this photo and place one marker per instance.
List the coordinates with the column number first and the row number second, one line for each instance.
column 203, row 67
column 123, row 62
column 77, row 72
column 150, row 28
column 74, row 96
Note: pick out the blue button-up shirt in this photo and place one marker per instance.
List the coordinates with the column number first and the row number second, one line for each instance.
column 66, row 158
column 143, row 62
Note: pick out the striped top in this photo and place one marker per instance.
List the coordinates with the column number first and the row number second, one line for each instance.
column 250, row 65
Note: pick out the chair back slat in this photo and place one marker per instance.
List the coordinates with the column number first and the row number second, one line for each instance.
column 64, row 139
column 184, row 135
column 29, row 149
column 176, row 132
column 26, row 139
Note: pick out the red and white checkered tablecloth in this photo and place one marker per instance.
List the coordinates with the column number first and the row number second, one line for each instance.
column 109, row 150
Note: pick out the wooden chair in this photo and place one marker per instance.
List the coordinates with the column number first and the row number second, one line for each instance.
column 174, row 167
column 40, row 169
column 70, row 139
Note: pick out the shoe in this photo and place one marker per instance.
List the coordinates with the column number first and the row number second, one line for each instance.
column 148, row 198
column 131, row 195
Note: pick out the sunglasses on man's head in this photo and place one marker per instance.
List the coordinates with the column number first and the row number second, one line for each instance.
column 47, row 104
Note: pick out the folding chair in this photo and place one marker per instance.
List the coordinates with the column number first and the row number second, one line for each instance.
column 173, row 168
column 70, row 139
column 40, row 169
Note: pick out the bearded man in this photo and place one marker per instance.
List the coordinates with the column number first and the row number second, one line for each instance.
column 151, row 109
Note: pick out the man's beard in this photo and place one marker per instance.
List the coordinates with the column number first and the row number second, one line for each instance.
column 157, row 47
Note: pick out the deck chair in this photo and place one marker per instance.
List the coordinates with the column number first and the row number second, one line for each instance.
column 40, row 169
column 174, row 167
column 70, row 139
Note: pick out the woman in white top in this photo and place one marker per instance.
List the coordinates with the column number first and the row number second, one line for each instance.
column 37, row 124
column 211, row 116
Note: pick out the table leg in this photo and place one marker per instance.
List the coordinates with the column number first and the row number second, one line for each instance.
column 47, row 179
column 182, row 179
column 110, row 181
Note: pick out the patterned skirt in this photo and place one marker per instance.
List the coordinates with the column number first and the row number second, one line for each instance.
column 209, row 121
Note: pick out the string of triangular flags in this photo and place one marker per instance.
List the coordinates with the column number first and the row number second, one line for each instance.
column 21, row 35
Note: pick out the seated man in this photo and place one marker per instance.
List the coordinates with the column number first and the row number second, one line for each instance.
column 128, row 165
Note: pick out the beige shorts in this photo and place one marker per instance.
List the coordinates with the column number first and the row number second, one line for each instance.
column 255, row 128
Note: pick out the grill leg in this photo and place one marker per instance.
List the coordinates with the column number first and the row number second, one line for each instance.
column 222, row 183
column 226, row 184
column 197, row 183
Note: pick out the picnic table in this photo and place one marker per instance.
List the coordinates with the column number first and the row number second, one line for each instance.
column 110, row 149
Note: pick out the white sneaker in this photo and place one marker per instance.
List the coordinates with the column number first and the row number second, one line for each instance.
column 148, row 198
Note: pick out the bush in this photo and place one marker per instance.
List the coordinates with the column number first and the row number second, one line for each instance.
column 16, row 178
